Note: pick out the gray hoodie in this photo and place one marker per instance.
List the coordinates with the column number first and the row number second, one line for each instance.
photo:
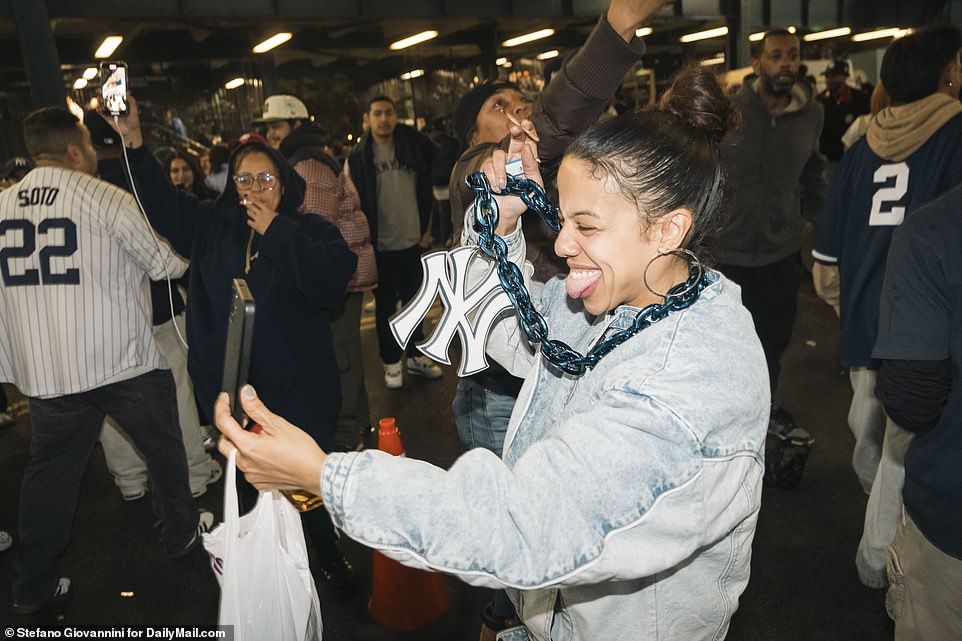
column 775, row 171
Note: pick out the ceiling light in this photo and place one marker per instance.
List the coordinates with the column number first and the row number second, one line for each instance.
column 108, row 46
column 234, row 84
column 416, row 39
column 547, row 55
column 414, row 73
column 717, row 60
column 79, row 83
column 528, row 37
column 704, row 35
column 644, row 31
column 75, row 109
column 276, row 40
column 500, row 61
column 760, row 35
column 881, row 33
column 831, row 33
column 90, row 73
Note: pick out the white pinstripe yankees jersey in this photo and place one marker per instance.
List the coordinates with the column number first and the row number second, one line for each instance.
column 75, row 256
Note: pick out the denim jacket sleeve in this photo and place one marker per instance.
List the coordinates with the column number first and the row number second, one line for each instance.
column 575, row 509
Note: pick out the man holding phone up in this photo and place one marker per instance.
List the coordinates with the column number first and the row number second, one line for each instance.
column 75, row 338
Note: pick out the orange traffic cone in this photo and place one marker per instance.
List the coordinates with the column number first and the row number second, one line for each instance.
column 389, row 437
column 402, row 598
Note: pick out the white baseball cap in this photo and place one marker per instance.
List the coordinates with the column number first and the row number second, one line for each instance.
column 283, row 107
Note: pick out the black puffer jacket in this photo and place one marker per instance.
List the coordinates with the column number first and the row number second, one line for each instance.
column 299, row 274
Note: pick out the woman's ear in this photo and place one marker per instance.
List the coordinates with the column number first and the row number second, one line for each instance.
column 674, row 228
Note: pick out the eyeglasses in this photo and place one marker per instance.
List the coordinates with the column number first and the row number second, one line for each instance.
column 245, row 182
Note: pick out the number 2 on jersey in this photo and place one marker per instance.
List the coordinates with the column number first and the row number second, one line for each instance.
column 888, row 196
column 28, row 245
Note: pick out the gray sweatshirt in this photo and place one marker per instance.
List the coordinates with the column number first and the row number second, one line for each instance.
column 775, row 171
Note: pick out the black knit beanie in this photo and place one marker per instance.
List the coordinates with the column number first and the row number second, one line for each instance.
column 470, row 104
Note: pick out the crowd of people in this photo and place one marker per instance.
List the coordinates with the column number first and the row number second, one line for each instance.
column 684, row 233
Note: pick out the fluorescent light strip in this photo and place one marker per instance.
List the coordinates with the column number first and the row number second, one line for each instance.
column 705, row 35
column 717, row 60
column 416, row 39
column 881, row 33
column 547, row 55
column 79, row 83
column 90, row 73
column 831, row 33
column 108, row 46
column 644, row 31
column 274, row 41
column 234, row 84
column 528, row 37
column 759, row 35
column 501, row 61
column 414, row 73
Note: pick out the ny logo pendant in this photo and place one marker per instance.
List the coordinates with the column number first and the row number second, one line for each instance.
column 445, row 276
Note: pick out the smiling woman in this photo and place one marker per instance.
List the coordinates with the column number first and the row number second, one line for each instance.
column 639, row 481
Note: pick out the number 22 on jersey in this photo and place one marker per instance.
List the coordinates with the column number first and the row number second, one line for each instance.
column 28, row 245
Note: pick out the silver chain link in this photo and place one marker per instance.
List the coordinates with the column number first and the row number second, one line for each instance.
column 532, row 323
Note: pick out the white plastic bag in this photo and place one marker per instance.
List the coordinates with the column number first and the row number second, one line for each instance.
column 260, row 559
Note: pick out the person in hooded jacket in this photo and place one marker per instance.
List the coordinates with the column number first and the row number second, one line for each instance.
column 779, row 187
column 297, row 267
column 330, row 193
column 911, row 154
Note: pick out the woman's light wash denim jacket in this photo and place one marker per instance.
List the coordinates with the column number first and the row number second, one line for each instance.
column 626, row 501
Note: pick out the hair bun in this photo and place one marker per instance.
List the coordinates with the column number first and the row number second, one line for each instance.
column 696, row 98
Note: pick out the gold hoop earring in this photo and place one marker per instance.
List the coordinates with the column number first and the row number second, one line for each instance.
column 689, row 257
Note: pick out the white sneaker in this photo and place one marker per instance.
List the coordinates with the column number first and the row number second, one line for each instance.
column 216, row 471
column 424, row 366
column 393, row 376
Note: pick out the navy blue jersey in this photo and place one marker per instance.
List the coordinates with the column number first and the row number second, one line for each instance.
column 921, row 320
column 869, row 197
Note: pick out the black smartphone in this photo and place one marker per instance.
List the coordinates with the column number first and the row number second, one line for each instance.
column 113, row 87
column 237, row 352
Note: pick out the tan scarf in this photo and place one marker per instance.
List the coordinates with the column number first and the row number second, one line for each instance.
column 896, row 132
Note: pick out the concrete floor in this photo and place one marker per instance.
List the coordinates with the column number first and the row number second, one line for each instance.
column 803, row 584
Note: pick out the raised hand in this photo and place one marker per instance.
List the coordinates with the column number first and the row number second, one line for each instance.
column 127, row 126
column 522, row 146
column 259, row 214
column 625, row 16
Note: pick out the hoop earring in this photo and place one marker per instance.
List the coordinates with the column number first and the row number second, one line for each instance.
column 689, row 257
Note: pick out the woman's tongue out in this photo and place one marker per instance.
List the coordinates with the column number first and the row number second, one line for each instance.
column 582, row 283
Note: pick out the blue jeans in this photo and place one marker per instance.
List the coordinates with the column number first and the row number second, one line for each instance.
column 65, row 430
column 481, row 415
column 482, row 419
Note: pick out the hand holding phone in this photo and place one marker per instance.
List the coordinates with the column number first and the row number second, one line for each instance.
column 113, row 87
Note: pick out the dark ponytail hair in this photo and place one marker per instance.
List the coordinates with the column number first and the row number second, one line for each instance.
column 667, row 158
